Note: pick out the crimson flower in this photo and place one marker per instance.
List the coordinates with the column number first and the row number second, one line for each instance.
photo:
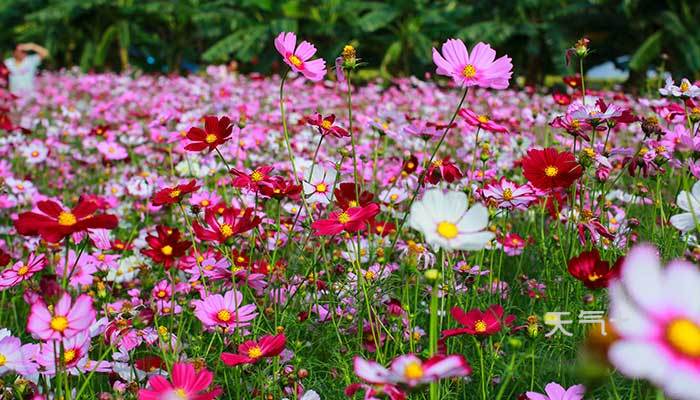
column 443, row 170
column 54, row 222
column 216, row 132
column 573, row 81
column 253, row 180
column 233, row 221
column 166, row 247
column 175, row 194
column 481, row 121
column 351, row 220
column 326, row 125
column 548, row 169
column 595, row 273
column 278, row 188
column 477, row 322
column 346, row 196
column 382, row 228
column 250, row 351
column 563, row 99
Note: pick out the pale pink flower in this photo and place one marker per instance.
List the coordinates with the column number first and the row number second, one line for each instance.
column 477, row 68
column 225, row 311
column 411, row 371
column 65, row 321
column 555, row 391
column 298, row 58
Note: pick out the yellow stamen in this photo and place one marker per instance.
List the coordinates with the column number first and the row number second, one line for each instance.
column 59, row 323
column 447, row 229
column 551, row 171
column 66, row 219
column 684, row 337
column 167, row 250
column 469, row 71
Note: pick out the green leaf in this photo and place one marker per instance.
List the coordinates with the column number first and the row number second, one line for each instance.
column 647, row 52
column 377, row 18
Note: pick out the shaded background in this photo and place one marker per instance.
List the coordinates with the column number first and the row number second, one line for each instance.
column 394, row 37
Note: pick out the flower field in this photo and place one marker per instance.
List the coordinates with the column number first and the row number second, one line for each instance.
column 306, row 237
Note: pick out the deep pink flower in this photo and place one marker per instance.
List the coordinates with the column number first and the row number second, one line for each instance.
column 250, row 351
column 475, row 69
column 185, row 384
column 351, row 220
column 477, row 322
column 481, row 121
column 65, row 321
column 298, row 58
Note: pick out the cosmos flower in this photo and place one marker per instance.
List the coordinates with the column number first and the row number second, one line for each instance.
column 410, row 371
column 15, row 357
column 351, row 220
column 656, row 313
column 549, row 169
column 112, row 151
column 685, row 89
column 22, row 271
column 318, row 185
column 445, row 221
column 478, row 68
column 253, row 180
column 63, row 321
column 555, row 391
column 690, row 203
column 54, row 223
column 591, row 270
column 222, row 226
column 225, row 311
column 166, row 247
column 216, row 132
column 298, row 58
column 477, row 322
column 185, row 384
column 252, row 351
column 508, row 195
column 174, row 194
column 326, row 125
column 443, row 170
column 481, row 121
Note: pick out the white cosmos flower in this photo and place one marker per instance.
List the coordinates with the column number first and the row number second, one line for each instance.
column 690, row 203
column 446, row 223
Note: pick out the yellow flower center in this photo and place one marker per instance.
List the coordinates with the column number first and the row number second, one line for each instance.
column 35, row 153
column 223, row 315
column 393, row 197
column 684, row 337
column 321, row 188
column 594, row 277
column 175, row 193
column 643, row 151
column 469, row 71
column 167, row 250
column 551, row 171
column 23, row 270
column 589, row 152
column 326, row 124
column 448, row 230
column 369, row 275
column 507, row 194
column 181, row 393
column 161, row 293
column 296, row 61
column 59, row 323
column 413, row 370
column 257, row 176
column 483, row 119
column 685, row 86
column 211, row 138
column 343, row 218
column 3, row 359
column 255, row 352
column 66, row 219
column 480, row 326
column 226, row 230
column 353, row 203
column 69, row 356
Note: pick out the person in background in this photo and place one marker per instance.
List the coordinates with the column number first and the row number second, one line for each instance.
column 23, row 66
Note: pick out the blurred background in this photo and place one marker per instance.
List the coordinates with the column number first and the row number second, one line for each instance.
column 630, row 38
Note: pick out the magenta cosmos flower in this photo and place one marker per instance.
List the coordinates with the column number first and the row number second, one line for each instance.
column 65, row 321
column 22, row 271
column 475, row 69
column 185, row 384
column 224, row 311
column 555, row 391
column 656, row 312
column 298, row 58
column 411, row 371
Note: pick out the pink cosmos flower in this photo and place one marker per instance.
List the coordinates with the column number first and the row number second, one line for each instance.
column 22, row 271
column 75, row 357
column 224, row 311
column 76, row 269
column 475, row 69
column 185, row 384
column 65, row 321
column 481, row 121
column 508, row 195
column 251, row 351
column 14, row 356
column 555, row 391
column 411, row 371
column 112, row 150
column 656, row 312
column 298, row 58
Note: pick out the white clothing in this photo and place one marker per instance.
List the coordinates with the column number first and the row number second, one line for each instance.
column 22, row 74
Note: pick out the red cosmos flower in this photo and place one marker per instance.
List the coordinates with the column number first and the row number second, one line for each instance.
column 382, row 228
column 216, row 131
column 278, row 188
column 166, row 247
column 573, row 81
column 561, row 98
column 479, row 323
column 409, row 165
column 351, row 220
column 253, row 180
column 346, row 196
column 250, row 351
column 481, row 121
column 99, row 130
column 595, row 273
column 548, row 169
column 56, row 223
column 326, row 125
column 443, row 170
column 174, row 195
column 233, row 221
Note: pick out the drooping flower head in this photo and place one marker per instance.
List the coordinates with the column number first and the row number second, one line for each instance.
column 478, row 68
column 299, row 57
column 175, row 194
